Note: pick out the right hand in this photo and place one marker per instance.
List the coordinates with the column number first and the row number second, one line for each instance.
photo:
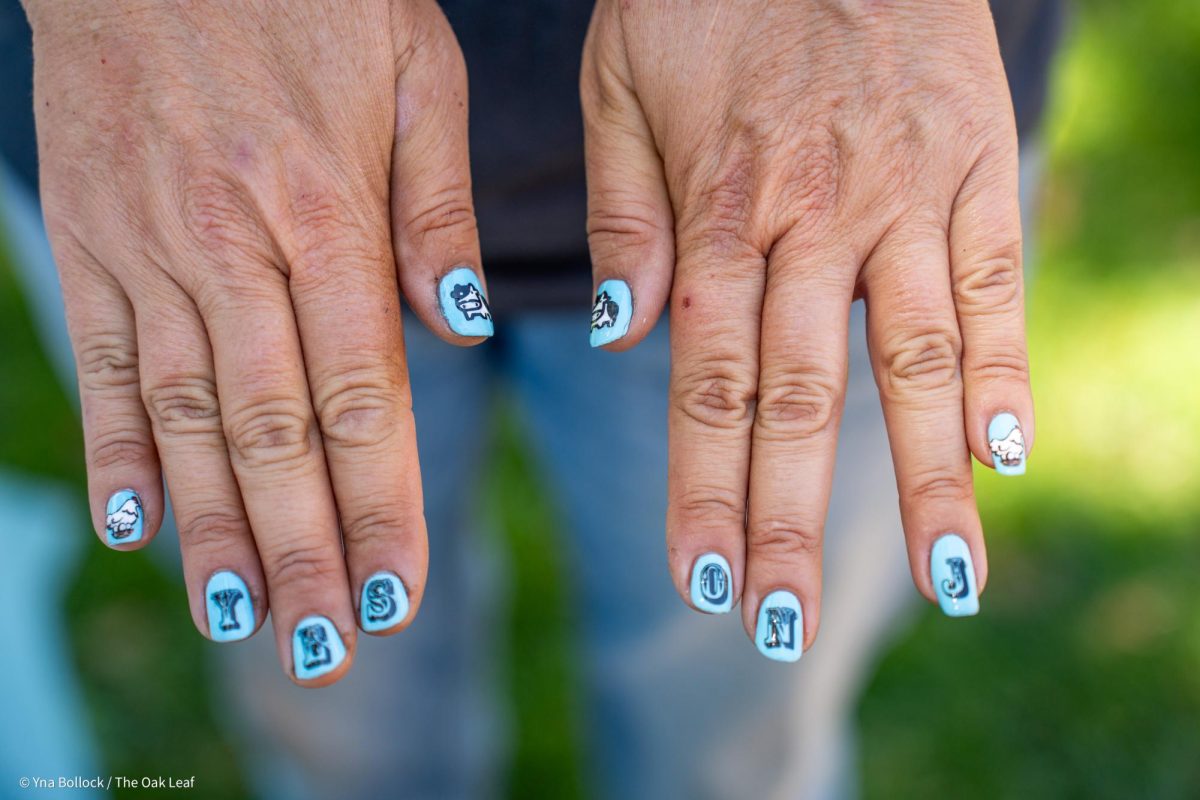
column 233, row 193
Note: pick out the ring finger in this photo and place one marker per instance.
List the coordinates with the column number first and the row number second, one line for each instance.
column 226, row 588
column 915, row 347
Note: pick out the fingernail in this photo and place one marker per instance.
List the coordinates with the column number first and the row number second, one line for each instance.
column 953, row 575
column 384, row 602
column 316, row 648
column 780, row 631
column 1007, row 444
column 611, row 313
column 712, row 590
column 124, row 517
column 230, row 609
column 464, row 304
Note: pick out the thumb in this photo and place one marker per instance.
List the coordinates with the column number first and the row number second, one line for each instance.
column 434, row 235
column 630, row 224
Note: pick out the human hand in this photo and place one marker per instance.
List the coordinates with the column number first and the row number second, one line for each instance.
column 234, row 193
column 762, row 165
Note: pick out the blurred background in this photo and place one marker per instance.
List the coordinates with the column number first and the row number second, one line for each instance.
column 1082, row 675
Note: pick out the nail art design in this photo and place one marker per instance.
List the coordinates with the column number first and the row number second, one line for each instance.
column 384, row 602
column 230, row 609
column 712, row 589
column 611, row 313
column 464, row 304
column 124, row 517
column 1007, row 444
column 953, row 575
column 316, row 648
column 780, row 630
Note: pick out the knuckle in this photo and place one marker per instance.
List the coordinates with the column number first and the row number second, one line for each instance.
column 448, row 210
column 720, row 225
column 270, row 432
column 328, row 225
column 302, row 562
column 216, row 214
column 721, row 207
column 920, row 361
column 323, row 226
column 183, row 404
column 716, row 394
column 119, row 446
column 712, row 504
column 989, row 286
column 378, row 526
column 107, row 362
column 798, row 403
column 618, row 223
column 358, row 409
column 782, row 537
column 814, row 184
column 1001, row 367
column 210, row 530
column 941, row 486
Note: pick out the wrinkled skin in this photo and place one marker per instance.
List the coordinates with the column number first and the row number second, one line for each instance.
column 757, row 165
column 235, row 194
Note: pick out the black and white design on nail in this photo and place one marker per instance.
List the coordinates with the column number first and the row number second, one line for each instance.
column 955, row 587
column 470, row 301
column 226, row 602
column 381, row 600
column 604, row 313
column 781, row 629
column 1010, row 450
column 313, row 642
column 121, row 522
column 714, row 584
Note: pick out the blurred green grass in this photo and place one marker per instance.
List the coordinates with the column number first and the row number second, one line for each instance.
column 1081, row 677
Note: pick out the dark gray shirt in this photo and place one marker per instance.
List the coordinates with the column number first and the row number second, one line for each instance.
column 526, row 131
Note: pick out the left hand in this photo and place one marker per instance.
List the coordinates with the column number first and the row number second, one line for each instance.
column 764, row 164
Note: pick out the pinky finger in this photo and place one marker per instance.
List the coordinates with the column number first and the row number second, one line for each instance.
column 985, row 265
column 124, row 477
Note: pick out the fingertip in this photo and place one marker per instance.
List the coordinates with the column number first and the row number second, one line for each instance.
column 384, row 607
column 957, row 574
column 710, row 587
column 463, row 305
column 780, row 630
column 612, row 312
column 319, row 652
column 1004, row 445
column 230, row 610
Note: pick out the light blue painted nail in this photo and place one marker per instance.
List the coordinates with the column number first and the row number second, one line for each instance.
column 464, row 304
column 316, row 648
column 953, row 574
column 230, row 607
column 384, row 602
column 780, row 630
column 712, row 589
column 611, row 313
column 123, row 518
column 1007, row 444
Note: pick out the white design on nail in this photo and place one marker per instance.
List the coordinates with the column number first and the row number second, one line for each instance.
column 604, row 313
column 1011, row 449
column 470, row 301
column 120, row 523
